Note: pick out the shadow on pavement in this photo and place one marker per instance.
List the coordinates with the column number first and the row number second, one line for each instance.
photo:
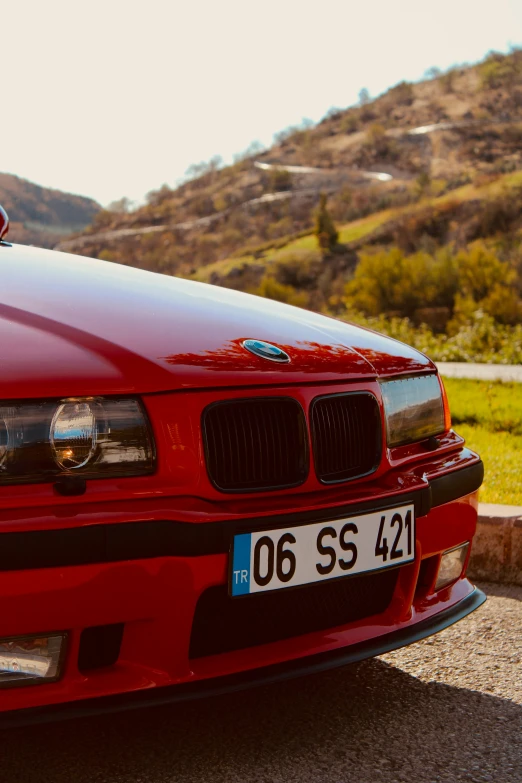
column 501, row 591
column 365, row 723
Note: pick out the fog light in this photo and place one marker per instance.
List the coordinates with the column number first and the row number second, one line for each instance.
column 27, row 660
column 451, row 565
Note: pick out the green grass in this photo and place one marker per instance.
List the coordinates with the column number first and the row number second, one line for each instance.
column 496, row 406
column 223, row 268
column 489, row 416
column 361, row 228
column 502, row 456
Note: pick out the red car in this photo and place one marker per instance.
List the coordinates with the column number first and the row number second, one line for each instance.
column 203, row 490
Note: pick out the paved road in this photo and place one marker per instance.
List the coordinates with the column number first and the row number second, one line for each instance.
column 484, row 372
column 447, row 709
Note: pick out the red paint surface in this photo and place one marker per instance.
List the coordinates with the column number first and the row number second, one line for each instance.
column 74, row 326
column 4, row 222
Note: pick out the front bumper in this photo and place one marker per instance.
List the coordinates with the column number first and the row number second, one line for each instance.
column 148, row 574
column 269, row 675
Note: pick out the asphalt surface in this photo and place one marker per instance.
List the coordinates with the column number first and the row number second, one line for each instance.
column 444, row 710
column 482, row 372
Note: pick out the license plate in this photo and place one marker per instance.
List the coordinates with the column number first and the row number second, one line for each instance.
column 289, row 557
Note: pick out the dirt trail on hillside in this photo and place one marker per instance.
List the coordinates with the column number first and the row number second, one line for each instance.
column 80, row 242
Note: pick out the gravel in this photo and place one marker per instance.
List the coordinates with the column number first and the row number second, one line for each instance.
column 443, row 710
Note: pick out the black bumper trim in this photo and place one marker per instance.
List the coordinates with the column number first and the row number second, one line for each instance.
column 456, row 484
column 112, row 543
column 201, row 689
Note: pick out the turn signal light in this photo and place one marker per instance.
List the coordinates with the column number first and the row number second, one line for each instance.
column 447, row 412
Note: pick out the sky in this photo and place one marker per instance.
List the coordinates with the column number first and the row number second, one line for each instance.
column 110, row 99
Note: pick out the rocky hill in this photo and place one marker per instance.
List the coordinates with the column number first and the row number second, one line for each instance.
column 42, row 216
column 420, row 140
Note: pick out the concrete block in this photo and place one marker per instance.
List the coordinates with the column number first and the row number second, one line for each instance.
column 496, row 553
column 516, row 551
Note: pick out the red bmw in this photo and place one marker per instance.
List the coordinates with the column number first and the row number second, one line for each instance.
column 202, row 490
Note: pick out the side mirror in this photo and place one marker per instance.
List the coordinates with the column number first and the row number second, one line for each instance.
column 4, row 223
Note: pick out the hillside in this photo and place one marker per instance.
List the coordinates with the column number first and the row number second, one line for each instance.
column 444, row 132
column 42, row 216
column 424, row 186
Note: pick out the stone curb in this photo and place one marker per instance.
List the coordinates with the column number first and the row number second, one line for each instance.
column 496, row 554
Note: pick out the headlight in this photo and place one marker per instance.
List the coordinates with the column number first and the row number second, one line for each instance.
column 4, row 438
column 74, row 434
column 91, row 437
column 415, row 409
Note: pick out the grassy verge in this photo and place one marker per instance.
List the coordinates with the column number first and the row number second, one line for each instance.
column 493, row 405
column 489, row 416
column 501, row 453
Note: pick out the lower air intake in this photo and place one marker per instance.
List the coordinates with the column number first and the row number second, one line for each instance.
column 222, row 624
column 100, row 646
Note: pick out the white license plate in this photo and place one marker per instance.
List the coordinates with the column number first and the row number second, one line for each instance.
column 288, row 557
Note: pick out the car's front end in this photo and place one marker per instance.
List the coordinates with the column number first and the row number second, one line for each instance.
column 187, row 509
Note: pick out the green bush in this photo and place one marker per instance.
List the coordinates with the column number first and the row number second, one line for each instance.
column 298, row 268
column 279, row 228
column 376, row 139
column 270, row 288
column 390, row 282
column 480, row 339
column 500, row 70
column 350, row 122
column 279, row 179
column 394, row 283
column 487, row 283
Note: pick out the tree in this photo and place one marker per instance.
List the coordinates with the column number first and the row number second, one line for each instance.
column 254, row 149
column 122, row 206
column 196, row 170
column 422, row 183
column 333, row 113
column 364, row 96
column 325, row 230
column 293, row 132
column 433, row 72
column 155, row 197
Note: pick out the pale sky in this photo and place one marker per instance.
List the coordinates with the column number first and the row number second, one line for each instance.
column 113, row 98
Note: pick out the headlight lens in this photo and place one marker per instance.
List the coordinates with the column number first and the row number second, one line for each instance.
column 94, row 438
column 73, row 434
column 414, row 409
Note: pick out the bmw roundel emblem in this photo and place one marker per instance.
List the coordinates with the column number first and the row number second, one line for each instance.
column 266, row 351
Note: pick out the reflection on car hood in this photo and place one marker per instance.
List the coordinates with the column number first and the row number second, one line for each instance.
column 76, row 326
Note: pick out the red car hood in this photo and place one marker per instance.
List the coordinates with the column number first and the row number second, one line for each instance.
column 76, row 326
